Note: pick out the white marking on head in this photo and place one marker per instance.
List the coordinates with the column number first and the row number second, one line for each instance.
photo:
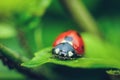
column 70, row 54
column 63, row 41
column 70, row 43
column 57, row 50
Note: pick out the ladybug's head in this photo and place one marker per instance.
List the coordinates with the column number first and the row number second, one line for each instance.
column 64, row 51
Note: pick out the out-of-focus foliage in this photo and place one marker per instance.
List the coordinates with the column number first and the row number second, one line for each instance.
column 14, row 15
column 21, row 14
column 36, row 7
column 110, row 27
column 91, row 4
column 7, row 31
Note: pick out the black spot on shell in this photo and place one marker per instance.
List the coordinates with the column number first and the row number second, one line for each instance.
column 82, row 47
column 78, row 34
column 68, row 38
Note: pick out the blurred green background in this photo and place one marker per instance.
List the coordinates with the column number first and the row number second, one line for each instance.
column 27, row 26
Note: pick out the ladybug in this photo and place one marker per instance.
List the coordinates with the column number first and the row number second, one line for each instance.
column 68, row 45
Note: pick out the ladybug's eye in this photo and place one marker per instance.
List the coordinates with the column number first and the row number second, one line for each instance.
column 70, row 53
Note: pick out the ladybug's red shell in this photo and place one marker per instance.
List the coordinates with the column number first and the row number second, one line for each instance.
column 77, row 41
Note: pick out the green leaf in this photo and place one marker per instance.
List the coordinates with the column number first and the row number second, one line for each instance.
column 98, row 54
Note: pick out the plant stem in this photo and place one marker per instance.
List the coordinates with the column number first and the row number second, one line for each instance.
column 81, row 16
column 11, row 54
column 13, row 59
